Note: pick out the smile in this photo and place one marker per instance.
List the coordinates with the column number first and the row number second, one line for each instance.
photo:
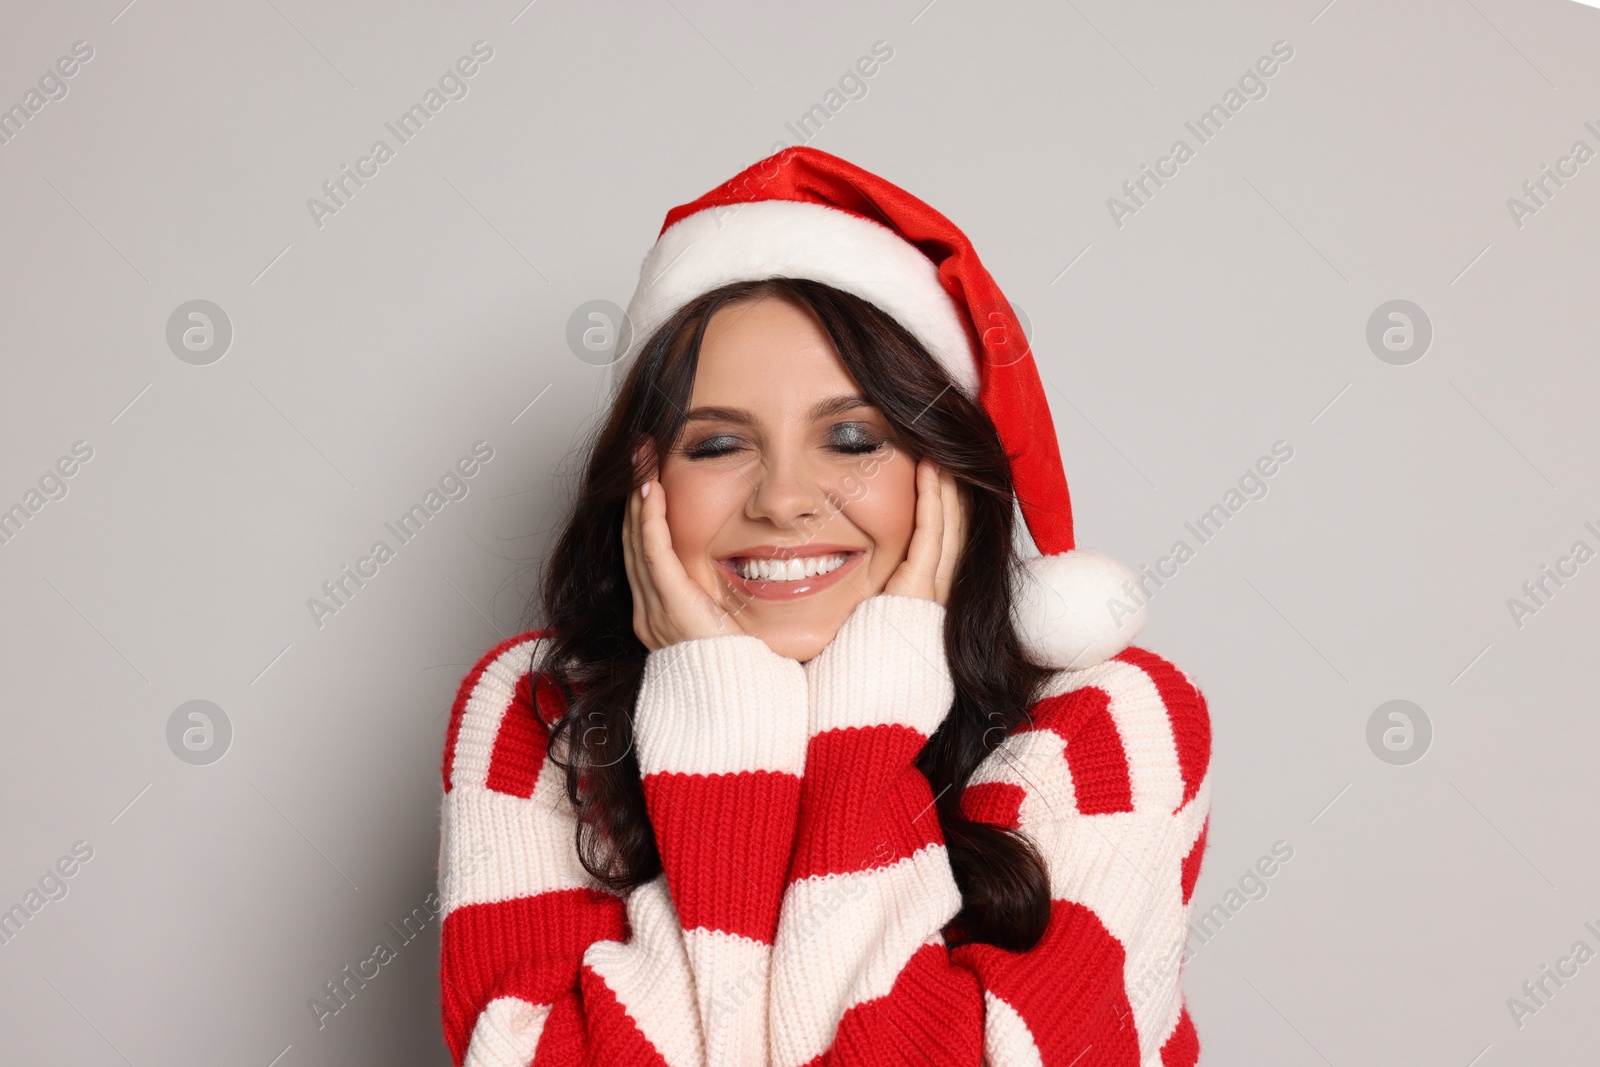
column 776, row 573
column 791, row 570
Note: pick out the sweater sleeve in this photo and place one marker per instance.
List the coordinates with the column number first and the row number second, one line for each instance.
column 538, row 963
column 1109, row 781
column 861, row 974
column 720, row 732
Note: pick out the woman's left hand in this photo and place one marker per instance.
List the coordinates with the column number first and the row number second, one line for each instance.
column 936, row 543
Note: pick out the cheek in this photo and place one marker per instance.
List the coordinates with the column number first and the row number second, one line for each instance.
column 700, row 502
column 887, row 512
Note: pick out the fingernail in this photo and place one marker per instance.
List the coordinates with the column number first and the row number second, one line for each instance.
column 644, row 490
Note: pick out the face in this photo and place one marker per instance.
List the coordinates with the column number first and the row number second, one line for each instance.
column 788, row 498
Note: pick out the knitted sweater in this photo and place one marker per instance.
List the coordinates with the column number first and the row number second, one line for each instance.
column 801, row 912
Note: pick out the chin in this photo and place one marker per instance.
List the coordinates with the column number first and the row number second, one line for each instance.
column 796, row 642
column 796, row 623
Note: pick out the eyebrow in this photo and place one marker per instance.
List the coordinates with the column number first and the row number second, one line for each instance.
column 835, row 405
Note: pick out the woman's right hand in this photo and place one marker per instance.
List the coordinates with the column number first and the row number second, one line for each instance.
column 668, row 606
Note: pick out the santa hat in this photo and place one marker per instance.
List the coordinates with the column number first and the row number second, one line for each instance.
column 802, row 213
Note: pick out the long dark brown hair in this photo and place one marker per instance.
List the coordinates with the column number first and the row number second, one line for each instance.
column 594, row 660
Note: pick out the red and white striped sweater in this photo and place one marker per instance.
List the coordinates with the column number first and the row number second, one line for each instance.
column 799, row 916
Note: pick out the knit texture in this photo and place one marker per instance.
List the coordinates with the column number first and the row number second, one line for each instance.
column 806, row 888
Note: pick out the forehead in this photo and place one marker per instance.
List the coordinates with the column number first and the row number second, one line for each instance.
column 768, row 357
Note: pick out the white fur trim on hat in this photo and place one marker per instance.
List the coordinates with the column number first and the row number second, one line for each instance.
column 1071, row 610
column 766, row 238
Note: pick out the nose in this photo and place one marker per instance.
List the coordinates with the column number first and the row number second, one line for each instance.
column 787, row 492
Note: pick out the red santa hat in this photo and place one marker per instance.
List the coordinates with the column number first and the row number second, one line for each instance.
column 803, row 213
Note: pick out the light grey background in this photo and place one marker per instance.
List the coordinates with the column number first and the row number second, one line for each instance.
column 370, row 353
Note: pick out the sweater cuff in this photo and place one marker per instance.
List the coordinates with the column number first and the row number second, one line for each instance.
column 886, row 665
column 721, row 705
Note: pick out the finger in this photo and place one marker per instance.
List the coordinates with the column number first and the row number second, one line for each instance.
column 915, row 575
column 959, row 512
column 966, row 520
column 950, row 515
column 929, row 535
column 638, row 582
column 655, row 538
column 685, row 606
column 963, row 521
column 629, row 563
column 657, row 604
column 950, row 543
column 657, row 601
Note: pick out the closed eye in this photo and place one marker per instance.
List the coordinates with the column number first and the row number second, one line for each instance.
column 853, row 439
column 718, row 444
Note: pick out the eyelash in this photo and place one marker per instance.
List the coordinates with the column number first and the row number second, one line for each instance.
column 709, row 448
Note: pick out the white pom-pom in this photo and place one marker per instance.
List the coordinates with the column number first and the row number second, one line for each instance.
column 1072, row 610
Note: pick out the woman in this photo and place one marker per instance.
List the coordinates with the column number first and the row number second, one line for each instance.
column 809, row 764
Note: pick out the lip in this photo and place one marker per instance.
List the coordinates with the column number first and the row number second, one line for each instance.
column 761, row 589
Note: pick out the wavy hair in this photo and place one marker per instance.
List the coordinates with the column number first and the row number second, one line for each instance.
column 595, row 662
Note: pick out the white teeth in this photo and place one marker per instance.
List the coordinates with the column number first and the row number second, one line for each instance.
column 791, row 570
